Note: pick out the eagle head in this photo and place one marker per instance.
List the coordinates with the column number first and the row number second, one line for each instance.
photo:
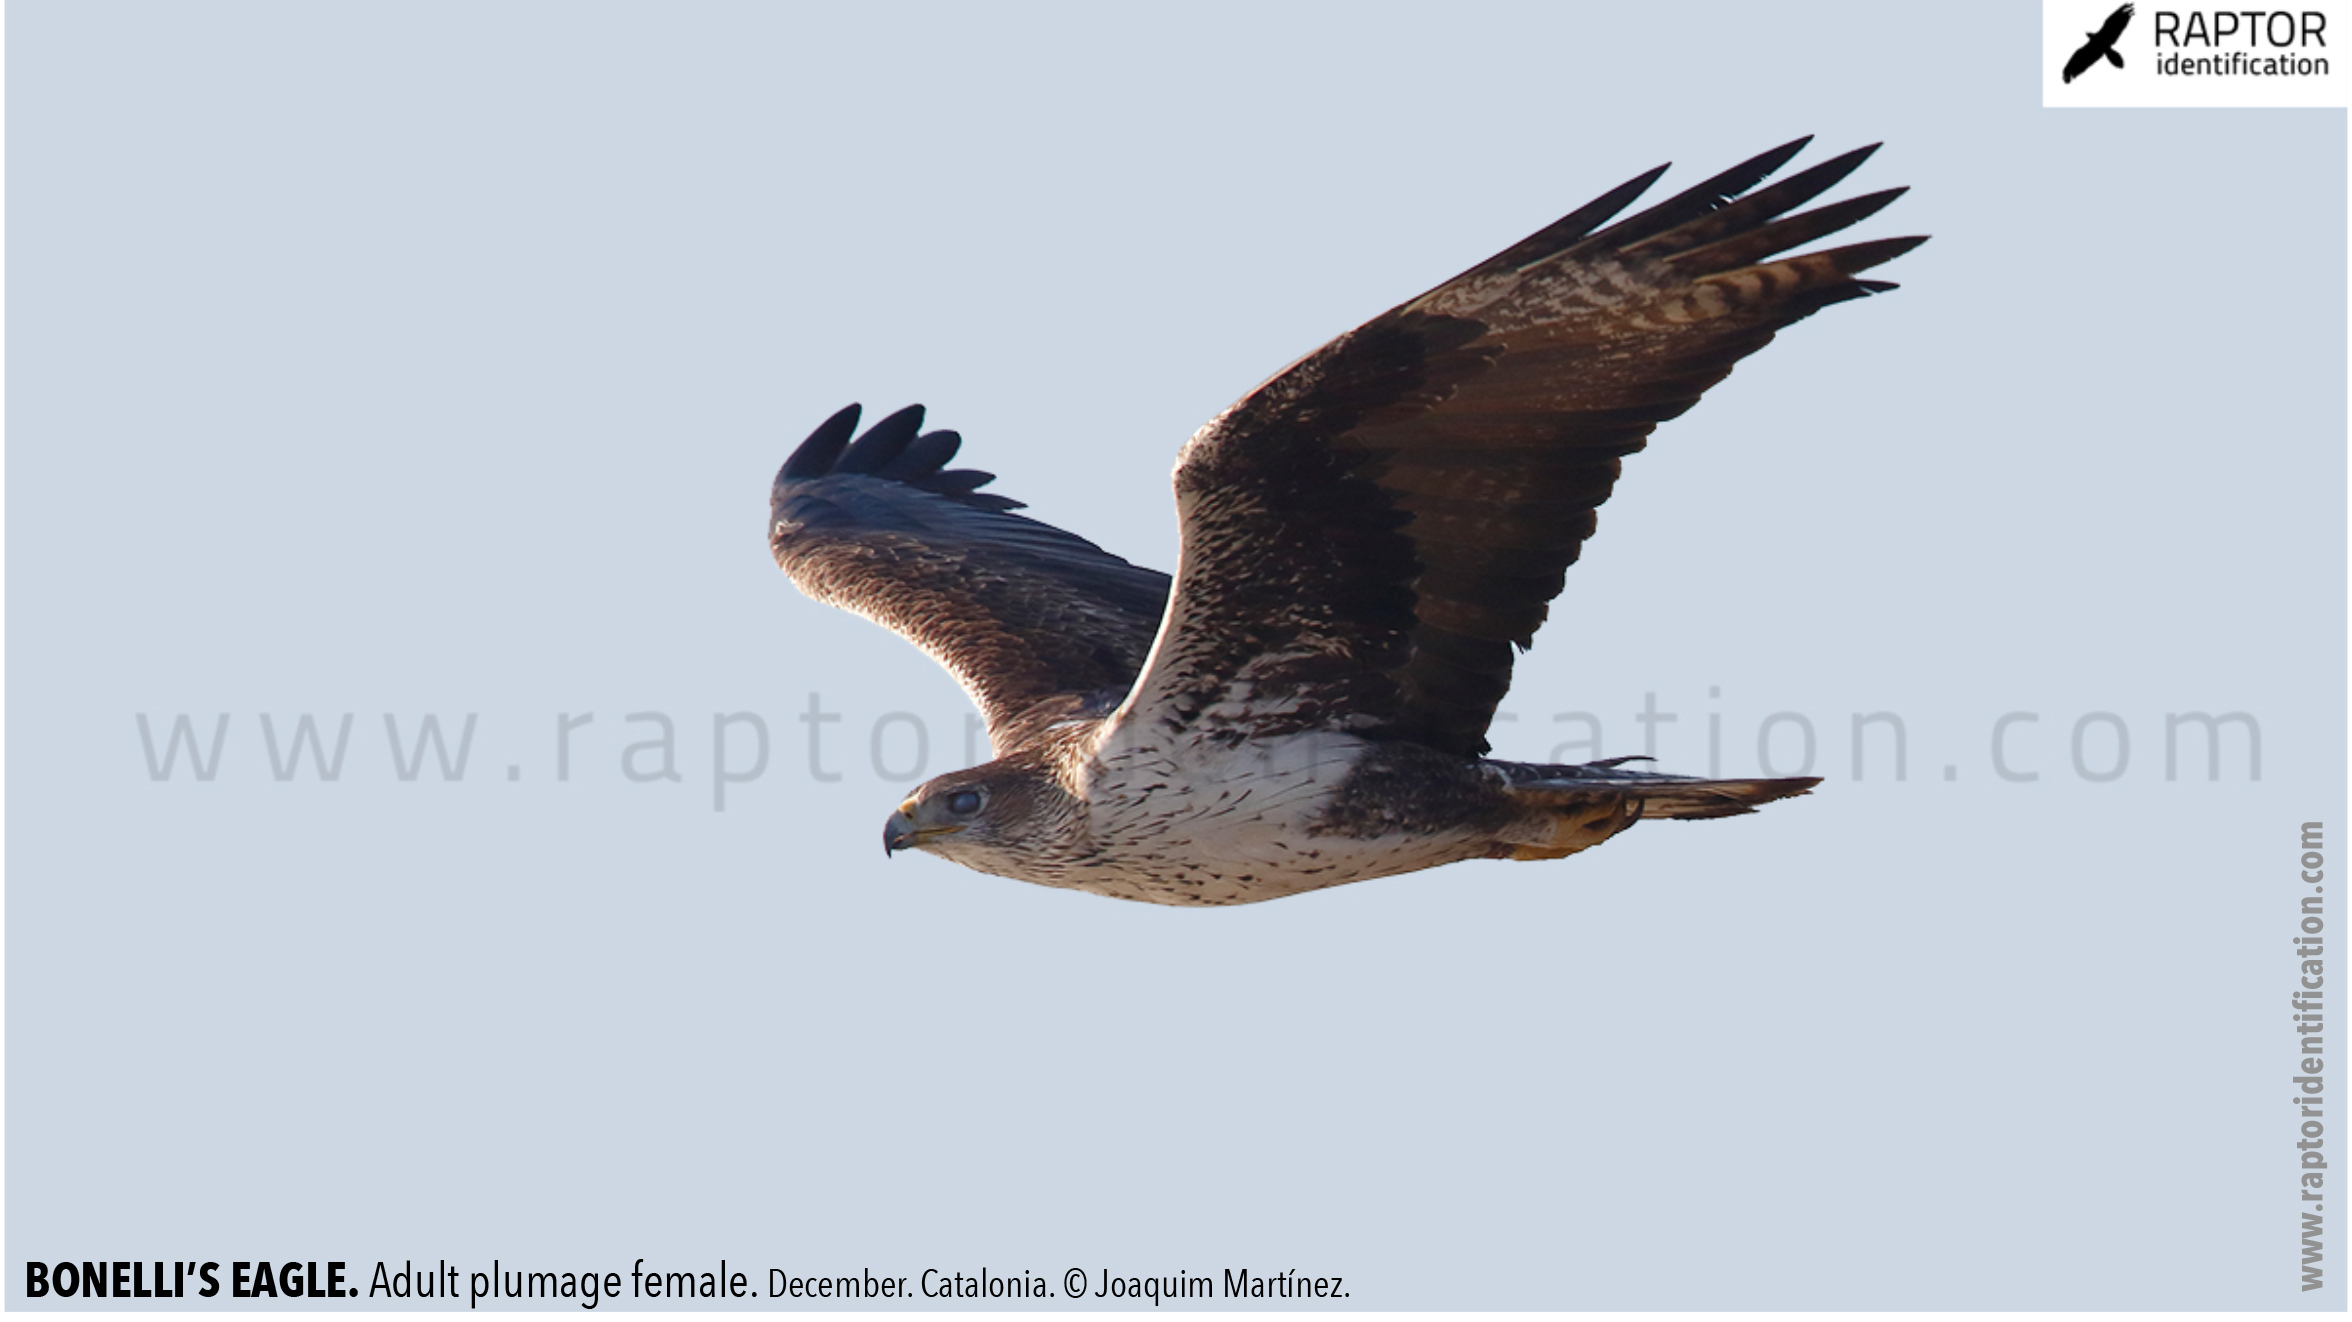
column 991, row 817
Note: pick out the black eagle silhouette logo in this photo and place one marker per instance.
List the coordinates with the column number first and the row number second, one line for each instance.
column 2101, row 44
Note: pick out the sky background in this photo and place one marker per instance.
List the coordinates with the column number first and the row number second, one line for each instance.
column 418, row 359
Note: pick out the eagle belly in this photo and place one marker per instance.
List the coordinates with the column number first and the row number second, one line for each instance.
column 1235, row 821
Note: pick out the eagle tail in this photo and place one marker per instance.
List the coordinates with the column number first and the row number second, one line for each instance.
column 1564, row 809
column 2114, row 57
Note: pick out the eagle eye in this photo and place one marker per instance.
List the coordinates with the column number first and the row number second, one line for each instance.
column 963, row 803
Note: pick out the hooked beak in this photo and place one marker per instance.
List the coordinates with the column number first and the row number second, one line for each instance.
column 900, row 832
column 897, row 833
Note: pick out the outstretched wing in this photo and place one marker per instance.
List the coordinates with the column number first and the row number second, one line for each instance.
column 2083, row 58
column 1369, row 535
column 2113, row 28
column 1034, row 622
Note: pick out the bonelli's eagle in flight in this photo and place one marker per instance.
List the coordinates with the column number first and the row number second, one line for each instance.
column 1367, row 537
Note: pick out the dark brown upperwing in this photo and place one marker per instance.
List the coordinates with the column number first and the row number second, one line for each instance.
column 1369, row 535
column 1037, row 624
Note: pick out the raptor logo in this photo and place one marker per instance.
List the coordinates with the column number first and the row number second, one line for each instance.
column 2101, row 44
